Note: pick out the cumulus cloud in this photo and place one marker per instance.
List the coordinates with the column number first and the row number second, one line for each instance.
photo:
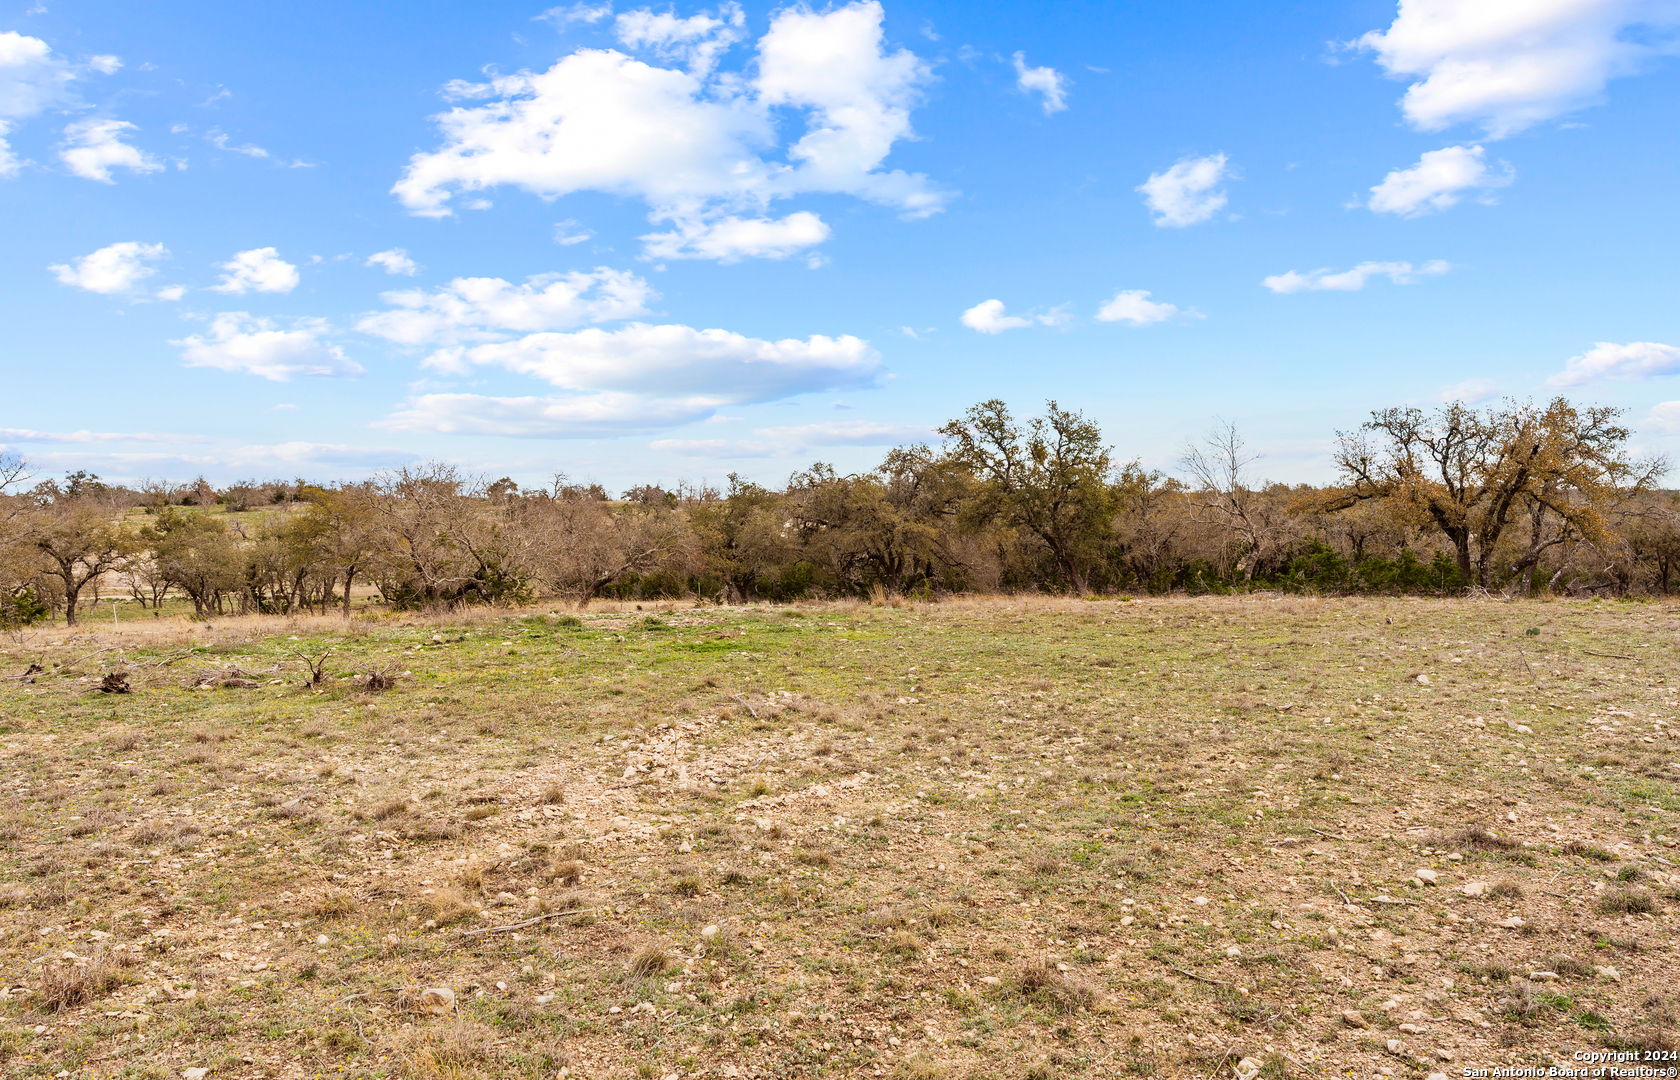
column 491, row 309
column 1326, row 280
column 696, row 145
column 1134, row 306
column 676, row 361
column 637, row 378
column 1438, row 181
column 1665, row 416
column 1186, row 193
column 395, row 261
column 92, row 148
column 1631, row 362
column 239, row 342
column 1509, row 64
column 730, row 239
column 988, row 317
column 697, row 41
column 116, row 268
column 1047, row 81
column 257, row 270
column 32, row 79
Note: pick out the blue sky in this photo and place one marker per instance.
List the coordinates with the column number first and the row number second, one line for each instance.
column 651, row 244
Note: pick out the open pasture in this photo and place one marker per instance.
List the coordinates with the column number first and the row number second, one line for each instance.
column 987, row 838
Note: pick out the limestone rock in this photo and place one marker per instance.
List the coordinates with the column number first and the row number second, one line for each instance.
column 437, row 1000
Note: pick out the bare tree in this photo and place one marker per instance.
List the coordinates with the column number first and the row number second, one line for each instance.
column 1221, row 494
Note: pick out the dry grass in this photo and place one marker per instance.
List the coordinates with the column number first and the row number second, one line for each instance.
column 975, row 828
column 65, row 985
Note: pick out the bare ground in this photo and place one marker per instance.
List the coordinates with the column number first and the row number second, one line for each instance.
column 996, row 838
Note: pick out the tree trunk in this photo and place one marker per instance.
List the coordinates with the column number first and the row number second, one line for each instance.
column 349, row 576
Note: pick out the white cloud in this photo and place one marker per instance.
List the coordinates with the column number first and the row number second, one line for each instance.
column 567, row 233
column 116, row 268
column 219, row 140
column 257, row 270
column 1185, row 194
column 224, row 462
column 1509, row 64
column 564, row 16
column 678, row 362
column 105, row 64
column 1323, row 280
column 29, row 435
column 1606, row 360
column 490, row 309
column 988, row 318
column 171, row 292
column 847, row 433
column 697, row 41
column 1438, row 181
column 238, row 342
column 9, row 163
column 1665, row 416
column 1471, row 392
column 695, row 147
column 1042, row 80
column 730, row 239
column 1134, row 306
column 395, row 261
column 92, row 148
column 32, row 79
column 791, row 441
column 573, row 416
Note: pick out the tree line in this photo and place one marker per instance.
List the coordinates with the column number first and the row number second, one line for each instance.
column 1519, row 499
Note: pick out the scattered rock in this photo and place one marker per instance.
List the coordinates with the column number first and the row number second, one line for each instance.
column 1423, row 680
column 197, row 1072
column 1395, row 1046
column 1515, row 922
column 437, row 1000
column 1355, row 1018
column 710, row 932
column 1411, row 1029
column 1247, row 1069
column 1233, row 951
column 1542, row 976
column 1427, row 876
column 1199, row 901
column 1473, row 888
column 1608, row 972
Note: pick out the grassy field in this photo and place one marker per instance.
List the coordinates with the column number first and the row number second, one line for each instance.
column 1000, row 838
